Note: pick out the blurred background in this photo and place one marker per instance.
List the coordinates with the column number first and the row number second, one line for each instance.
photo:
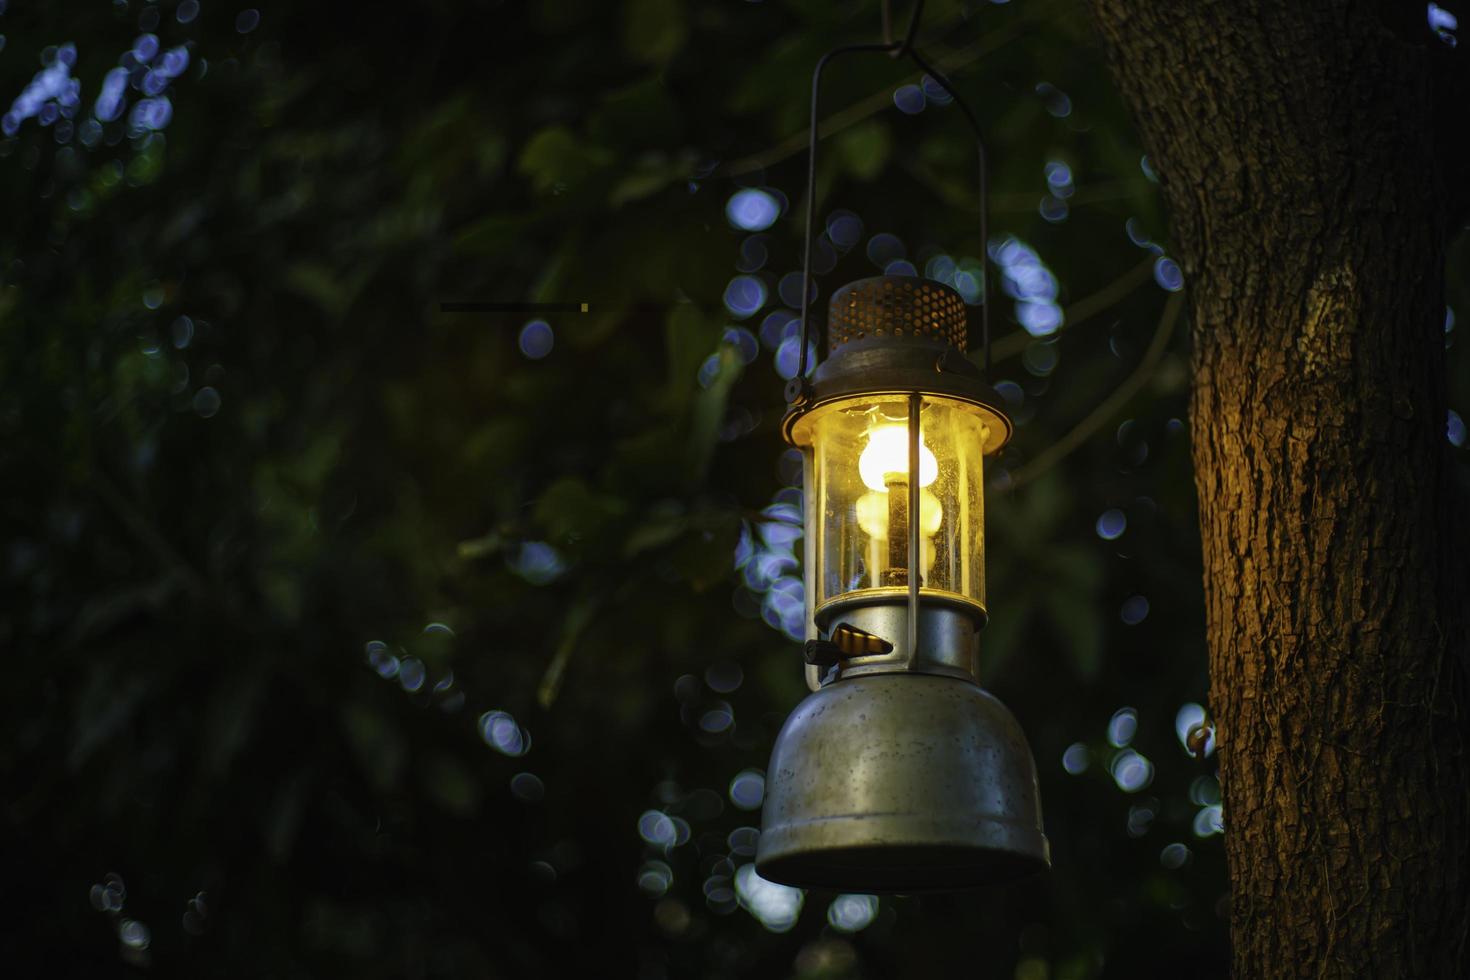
column 346, row 636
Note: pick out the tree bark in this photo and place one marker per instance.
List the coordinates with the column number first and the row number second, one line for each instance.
column 1311, row 189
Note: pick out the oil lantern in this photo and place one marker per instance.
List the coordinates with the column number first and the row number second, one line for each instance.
column 898, row 772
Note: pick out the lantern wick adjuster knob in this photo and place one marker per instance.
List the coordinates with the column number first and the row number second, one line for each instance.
column 847, row 641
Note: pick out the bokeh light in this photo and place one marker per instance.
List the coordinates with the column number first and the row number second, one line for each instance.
column 909, row 99
column 383, row 662
column 51, row 94
column 1189, row 723
column 717, row 718
column 1056, row 101
column 752, row 209
column 852, row 913
column 1443, row 23
column 1122, row 727
column 1040, row 358
column 536, row 339
column 527, row 787
column 657, row 828
column 844, row 229
column 1174, row 856
column 1053, row 209
column 1168, row 274
column 1026, row 279
column 884, row 248
column 207, row 402
column 723, row 677
column 1209, row 821
column 499, row 731
column 1134, row 610
column 744, row 296
column 742, row 841
column 537, row 562
column 754, row 253
column 411, row 674
column 777, row 326
column 1111, row 524
column 776, row 907
column 935, row 92
column 1204, row 791
column 748, row 789
column 1131, row 771
column 788, row 357
column 744, row 342
column 789, row 290
column 655, row 878
column 1076, row 759
column 1140, row 819
column 1059, row 178
column 133, row 934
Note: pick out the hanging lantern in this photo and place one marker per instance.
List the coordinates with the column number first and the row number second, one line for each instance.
column 898, row 772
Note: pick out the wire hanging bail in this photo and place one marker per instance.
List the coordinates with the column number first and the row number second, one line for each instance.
column 798, row 391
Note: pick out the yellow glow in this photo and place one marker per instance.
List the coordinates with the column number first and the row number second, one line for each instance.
column 858, row 518
column 888, row 452
column 872, row 514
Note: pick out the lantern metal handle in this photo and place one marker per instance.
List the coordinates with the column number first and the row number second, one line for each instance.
column 799, row 389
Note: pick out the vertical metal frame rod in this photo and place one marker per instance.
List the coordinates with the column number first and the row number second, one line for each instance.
column 915, row 401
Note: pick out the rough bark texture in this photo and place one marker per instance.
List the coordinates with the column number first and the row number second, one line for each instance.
column 1311, row 192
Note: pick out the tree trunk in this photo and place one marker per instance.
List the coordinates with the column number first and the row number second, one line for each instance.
column 1311, row 195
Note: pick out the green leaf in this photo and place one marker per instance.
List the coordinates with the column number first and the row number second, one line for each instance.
column 703, row 557
column 556, row 160
column 231, row 720
column 688, row 340
column 1075, row 617
column 570, row 510
column 654, row 30
column 377, row 744
column 497, row 234
column 641, row 183
column 577, row 620
column 864, row 149
column 451, row 785
column 657, row 531
column 709, row 410
column 481, row 547
column 638, row 117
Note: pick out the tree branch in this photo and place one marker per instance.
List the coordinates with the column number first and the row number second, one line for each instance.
column 1014, row 343
column 1080, row 433
column 871, row 105
column 147, row 534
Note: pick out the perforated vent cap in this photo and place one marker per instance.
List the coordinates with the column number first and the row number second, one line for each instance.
column 896, row 306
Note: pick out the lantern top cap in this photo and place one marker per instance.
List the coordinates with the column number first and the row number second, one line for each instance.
column 897, row 335
column 896, row 307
